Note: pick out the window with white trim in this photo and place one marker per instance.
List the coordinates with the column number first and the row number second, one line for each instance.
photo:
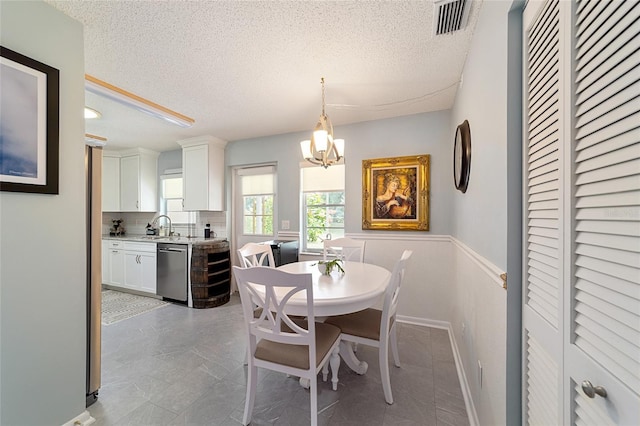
column 258, row 194
column 171, row 199
column 323, row 205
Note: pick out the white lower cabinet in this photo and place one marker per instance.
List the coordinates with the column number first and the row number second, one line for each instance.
column 113, row 262
column 140, row 266
column 130, row 265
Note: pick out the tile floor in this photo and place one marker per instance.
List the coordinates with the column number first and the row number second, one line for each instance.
column 180, row 366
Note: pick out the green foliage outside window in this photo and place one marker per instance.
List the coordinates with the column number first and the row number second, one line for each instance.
column 325, row 215
column 258, row 215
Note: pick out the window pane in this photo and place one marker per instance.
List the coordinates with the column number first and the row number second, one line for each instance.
column 171, row 198
column 316, row 235
column 249, row 205
column 335, row 198
column 258, row 215
column 323, row 203
column 249, row 227
column 316, row 198
column 267, row 222
column 267, row 203
column 324, row 216
column 337, row 215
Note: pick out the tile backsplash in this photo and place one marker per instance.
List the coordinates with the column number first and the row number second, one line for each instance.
column 135, row 223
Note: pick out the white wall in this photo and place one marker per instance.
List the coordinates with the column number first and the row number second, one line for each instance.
column 42, row 244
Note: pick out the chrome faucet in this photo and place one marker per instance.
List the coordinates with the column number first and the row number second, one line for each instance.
column 155, row 221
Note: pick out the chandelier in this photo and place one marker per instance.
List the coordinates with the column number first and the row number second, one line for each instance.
column 323, row 149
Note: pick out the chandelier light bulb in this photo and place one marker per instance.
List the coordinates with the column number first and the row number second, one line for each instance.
column 320, row 139
column 339, row 144
column 305, row 146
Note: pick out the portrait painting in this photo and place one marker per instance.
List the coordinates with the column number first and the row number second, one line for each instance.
column 396, row 193
column 29, row 121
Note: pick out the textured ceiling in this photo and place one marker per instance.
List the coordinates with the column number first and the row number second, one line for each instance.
column 252, row 68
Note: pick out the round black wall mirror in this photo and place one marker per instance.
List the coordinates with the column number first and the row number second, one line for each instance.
column 462, row 156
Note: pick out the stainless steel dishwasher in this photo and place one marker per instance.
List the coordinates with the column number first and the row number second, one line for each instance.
column 172, row 271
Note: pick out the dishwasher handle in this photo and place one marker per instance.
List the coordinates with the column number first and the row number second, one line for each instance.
column 168, row 250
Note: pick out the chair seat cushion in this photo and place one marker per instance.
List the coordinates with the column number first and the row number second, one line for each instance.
column 362, row 324
column 297, row 356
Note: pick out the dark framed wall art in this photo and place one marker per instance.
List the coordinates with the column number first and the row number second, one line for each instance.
column 395, row 193
column 29, row 124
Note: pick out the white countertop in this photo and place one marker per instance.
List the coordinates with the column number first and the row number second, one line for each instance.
column 159, row 239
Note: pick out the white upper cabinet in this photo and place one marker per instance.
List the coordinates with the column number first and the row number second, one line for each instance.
column 203, row 173
column 139, row 181
column 110, row 182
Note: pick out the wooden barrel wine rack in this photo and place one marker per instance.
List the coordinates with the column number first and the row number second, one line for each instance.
column 210, row 274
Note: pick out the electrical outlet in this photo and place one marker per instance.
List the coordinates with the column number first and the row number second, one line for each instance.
column 285, row 224
column 480, row 374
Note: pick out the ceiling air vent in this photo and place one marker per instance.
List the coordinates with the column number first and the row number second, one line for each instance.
column 450, row 15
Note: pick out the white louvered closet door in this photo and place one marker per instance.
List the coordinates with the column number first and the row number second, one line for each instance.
column 544, row 194
column 581, row 313
column 604, row 346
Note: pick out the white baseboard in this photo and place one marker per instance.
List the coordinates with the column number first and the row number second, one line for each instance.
column 424, row 322
column 462, row 378
column 464, row 384
column 83, row 419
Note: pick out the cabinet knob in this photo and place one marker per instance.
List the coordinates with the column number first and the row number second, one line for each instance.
column 591, row 391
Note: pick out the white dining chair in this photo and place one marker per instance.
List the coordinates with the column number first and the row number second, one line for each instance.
column 376, row 328
column 276, row 341
column 253, row 254
column 344, row 248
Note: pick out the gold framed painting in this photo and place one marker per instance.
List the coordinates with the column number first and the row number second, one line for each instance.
column 395, row 193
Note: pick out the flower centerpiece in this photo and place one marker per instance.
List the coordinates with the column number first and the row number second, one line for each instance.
column 326, row 266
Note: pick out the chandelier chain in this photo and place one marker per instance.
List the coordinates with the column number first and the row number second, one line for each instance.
column 322, row 82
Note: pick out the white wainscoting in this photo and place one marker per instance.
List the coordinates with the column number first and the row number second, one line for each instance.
column 448, row 285
column 478, row 333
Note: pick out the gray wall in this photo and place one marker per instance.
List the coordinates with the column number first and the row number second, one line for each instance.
column 489, row 99
column 427, row 133
column 169, row 160
column 42, row 244
column 480, row 215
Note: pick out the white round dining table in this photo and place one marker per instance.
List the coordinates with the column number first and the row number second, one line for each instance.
column 360, row 287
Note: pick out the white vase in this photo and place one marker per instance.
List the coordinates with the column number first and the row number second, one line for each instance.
column 322, row 268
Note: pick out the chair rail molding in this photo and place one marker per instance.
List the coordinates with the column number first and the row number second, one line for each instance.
column 491, row 270
column 399, row 237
